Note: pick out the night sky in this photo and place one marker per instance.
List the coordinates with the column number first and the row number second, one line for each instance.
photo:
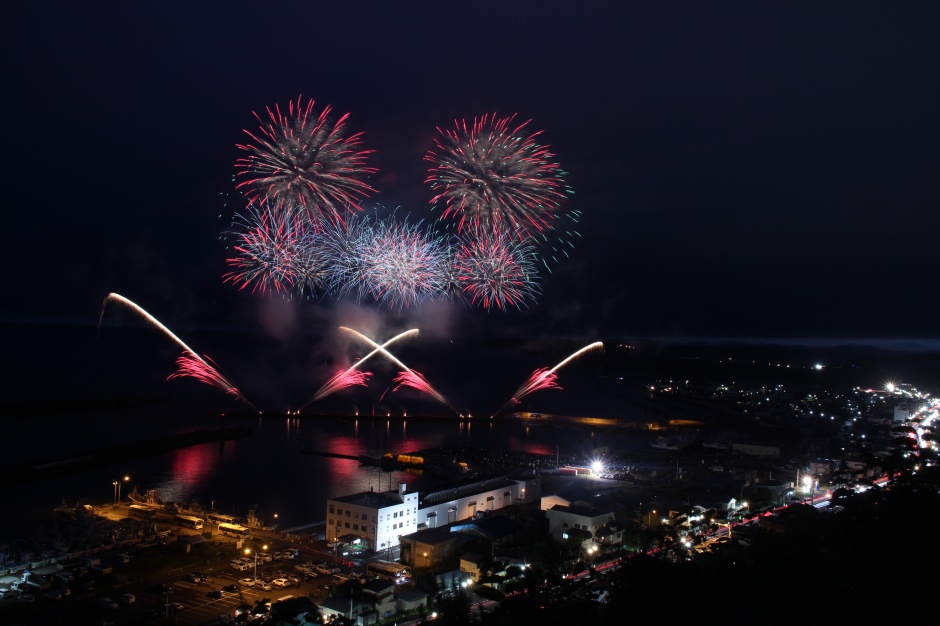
column 744, row 170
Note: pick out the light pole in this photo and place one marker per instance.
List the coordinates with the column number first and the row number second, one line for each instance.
column 117, row 488
column 255, row 550
column 649, row 519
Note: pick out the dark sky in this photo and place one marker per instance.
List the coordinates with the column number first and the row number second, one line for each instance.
column 743, row 169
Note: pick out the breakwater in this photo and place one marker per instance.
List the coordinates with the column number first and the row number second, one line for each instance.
column 85, row 459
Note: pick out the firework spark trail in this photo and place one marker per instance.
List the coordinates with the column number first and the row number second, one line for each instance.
column 543, row 378
column 411, row 378
column 193, row 366
column 342, row 380
column 546, row 378
column 427, row 386
column 193, row 363
column 329, row 386
column 306, row 158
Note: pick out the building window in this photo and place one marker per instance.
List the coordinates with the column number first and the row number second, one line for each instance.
column 347, row 524
column 347, row 513
column 396, row 514
column 331, row 509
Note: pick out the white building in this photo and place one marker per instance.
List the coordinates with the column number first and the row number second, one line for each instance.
column 378, row 517
column 381, row 518
column 565, row 520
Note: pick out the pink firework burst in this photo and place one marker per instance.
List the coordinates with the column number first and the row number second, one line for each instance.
column 492, row 175
column 495, row 270
column 203, row 369
column 540, row 379
column 272, row 250
column 307, row 159
column 342, row 380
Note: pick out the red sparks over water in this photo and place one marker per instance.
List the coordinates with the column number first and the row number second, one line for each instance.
column 342, row 380
column 189, row 363
column 543, row 378
column 192, row 366
column 546, row 378
column 410, row 375
column 411, row 378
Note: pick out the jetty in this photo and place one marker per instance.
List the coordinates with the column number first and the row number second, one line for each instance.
column 81, row 460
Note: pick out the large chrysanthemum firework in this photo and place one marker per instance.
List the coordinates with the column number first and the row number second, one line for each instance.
column 306, row 159
column 492, row 175
column 275, row 251
column 496, row 270
column 402, row 265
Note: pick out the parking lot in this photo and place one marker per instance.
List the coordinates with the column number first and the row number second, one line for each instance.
column 166, row 583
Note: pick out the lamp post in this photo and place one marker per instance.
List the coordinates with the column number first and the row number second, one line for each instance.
column 649, row 519
column 117, row 489
column 255, row 550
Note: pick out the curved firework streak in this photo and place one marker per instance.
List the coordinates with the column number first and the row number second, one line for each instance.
column 546, row 378
column 411, row 376
column 339, row 380
column 342, row 380
column 189, row 363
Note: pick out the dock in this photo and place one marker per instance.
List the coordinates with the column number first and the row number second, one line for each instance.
column 56, row 466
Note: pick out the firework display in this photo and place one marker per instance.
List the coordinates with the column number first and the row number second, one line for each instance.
column 411, row 378
column 347, row 377
column 275, row 252
column 189, row 363
column 342, row 380
column 204, row 370
column 302, row 231
column 495, row 270
column 306, row 159
column 501, row 195
column 547, row 378
column 492, row 175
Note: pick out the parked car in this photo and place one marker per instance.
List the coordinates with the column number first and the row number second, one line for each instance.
column 230, row 588
column 215, row 594
column 280, row 582
column 65, row 576
column 108, row 603
column 261, row 584
column 247, row 582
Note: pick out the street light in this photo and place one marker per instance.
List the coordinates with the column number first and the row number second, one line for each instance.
column 117, row 488
column 649, row 519
column 255, row 550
